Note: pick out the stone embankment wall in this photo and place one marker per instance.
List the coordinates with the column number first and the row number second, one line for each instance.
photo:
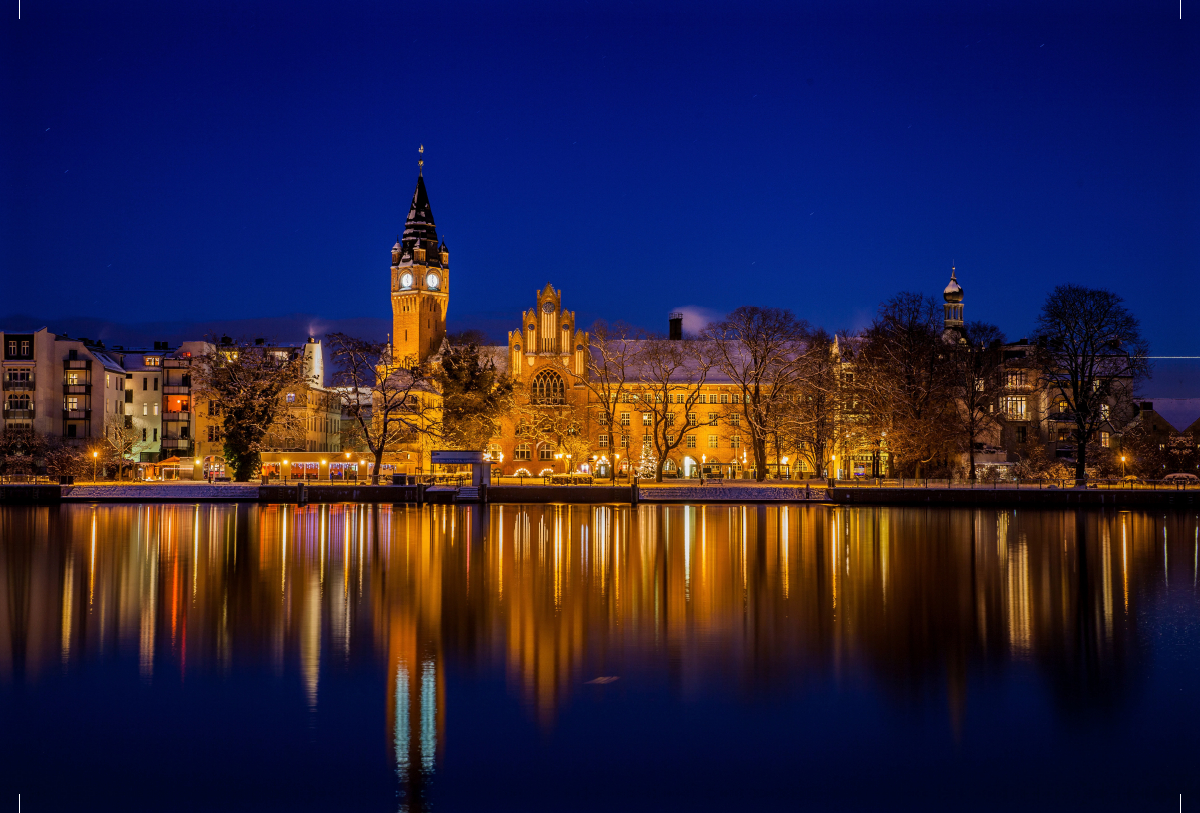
column 1018, row 497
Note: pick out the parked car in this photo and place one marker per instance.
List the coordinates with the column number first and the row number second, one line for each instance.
column 1181, row 477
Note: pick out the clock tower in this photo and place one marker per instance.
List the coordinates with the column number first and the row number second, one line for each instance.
column 420, row 282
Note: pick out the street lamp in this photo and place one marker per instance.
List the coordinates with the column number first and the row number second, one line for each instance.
column 703, row 458
column 95, row 455
column 616, row 466
column 285, row 470
column 1122, row 467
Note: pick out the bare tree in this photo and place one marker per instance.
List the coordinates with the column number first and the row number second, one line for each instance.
column 392, row 401
column 761, row 350
column 977, row 370
column 902, row 382
column 245, row 383
column 670, row 374
column 21, row 450
column 610, row 370
column 811, row 422
column 548, row 419
column 123, row 440
column 1091, row 354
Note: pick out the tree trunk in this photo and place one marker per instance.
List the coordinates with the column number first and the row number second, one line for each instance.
column 760, row 460
column 658, row 467
column 1080, row 455
column 971, row 452
column 378, row 466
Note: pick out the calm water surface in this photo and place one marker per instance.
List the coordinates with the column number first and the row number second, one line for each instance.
column 378, row 658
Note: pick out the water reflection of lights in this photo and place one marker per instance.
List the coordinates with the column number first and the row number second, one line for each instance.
column 294, row 586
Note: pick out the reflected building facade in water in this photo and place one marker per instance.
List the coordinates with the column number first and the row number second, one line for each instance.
column 700, row 599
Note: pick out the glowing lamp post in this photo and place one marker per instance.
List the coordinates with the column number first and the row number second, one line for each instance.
column 703, row 458
column 285, row 471
column 616, row 466
column 1122, row 466
column 95, row 457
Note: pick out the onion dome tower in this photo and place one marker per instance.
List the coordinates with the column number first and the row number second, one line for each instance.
column 954, row 330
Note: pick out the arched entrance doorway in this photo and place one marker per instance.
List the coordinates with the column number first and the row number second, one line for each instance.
column 689, row 466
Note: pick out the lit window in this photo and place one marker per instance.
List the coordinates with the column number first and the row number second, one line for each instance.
column 624, row 419
column 724, row 398
column 712, row 419
column 735, row 442
column 1014, row 406
column 1104, row 439
column 690, row 441
column 712, row 441
column 604, row 441
column 291, row 397
column 735, row 419
column 645, row 419
column 547, row 388
column 692, row 419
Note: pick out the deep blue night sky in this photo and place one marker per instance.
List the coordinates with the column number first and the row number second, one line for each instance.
column 212, row 160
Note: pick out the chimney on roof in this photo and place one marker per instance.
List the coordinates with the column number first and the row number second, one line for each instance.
column 676, row 330
column 260, row 341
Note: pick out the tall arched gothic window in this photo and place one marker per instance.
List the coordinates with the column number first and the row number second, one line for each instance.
column 548, row 388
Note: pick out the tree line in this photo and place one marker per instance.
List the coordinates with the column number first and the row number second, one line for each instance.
column 901, row 386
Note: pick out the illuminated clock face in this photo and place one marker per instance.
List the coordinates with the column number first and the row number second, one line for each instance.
column 432, row 280
column 406, row 280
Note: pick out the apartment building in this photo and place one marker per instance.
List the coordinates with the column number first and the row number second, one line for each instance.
column 59, row 386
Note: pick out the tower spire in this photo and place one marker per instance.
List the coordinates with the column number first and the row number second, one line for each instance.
column 421, row 160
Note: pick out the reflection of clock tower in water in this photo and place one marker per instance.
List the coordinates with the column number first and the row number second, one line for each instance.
column 420, row 282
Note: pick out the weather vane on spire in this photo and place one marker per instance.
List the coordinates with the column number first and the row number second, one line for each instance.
column 421, row 161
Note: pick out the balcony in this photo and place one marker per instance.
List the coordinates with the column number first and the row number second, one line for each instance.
column 176, row 363
column 177, row 416
column 175, row 389
column 18, row 414
column 77, row 389
column 176, row 443
column 14, row 384
column 77, row 414
column 1061, row 417
column 78, row 364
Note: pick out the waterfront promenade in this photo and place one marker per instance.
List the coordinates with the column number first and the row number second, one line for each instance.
column 912, row 492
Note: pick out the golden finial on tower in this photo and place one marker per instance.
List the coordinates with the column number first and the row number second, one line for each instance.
column 421, row 161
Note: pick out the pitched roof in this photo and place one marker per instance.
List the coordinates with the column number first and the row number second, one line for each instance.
column 419, row 223
column 1181, row 413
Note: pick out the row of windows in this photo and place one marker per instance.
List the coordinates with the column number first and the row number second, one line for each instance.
column 735, row 419
column 681, row 398
column 689, row 441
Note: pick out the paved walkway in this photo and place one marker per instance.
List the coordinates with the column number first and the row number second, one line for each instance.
column 181, row 491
